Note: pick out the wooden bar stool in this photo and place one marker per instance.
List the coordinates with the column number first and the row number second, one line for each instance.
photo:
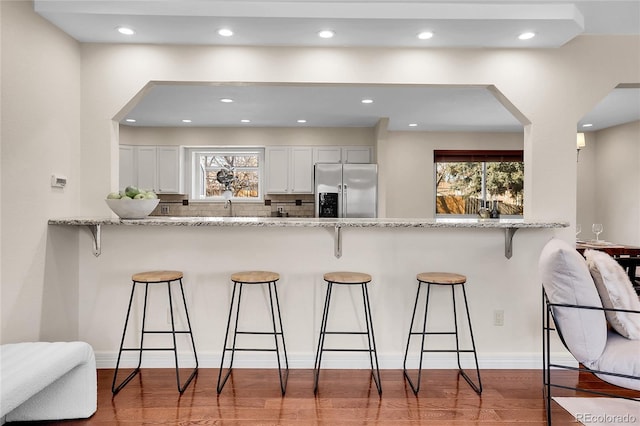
column 452, row 281
column 156, row 277
column 348, row 278
column 252, row 278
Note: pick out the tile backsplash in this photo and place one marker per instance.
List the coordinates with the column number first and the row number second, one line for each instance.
column 294, row 205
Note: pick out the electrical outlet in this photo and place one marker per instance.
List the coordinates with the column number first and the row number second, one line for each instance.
column 498, row 317
column 164, row 209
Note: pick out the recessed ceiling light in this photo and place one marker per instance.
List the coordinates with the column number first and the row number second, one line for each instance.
column 526, row 36
column 425, row 35
column 225, row 32
column 226, row 100
column 130, row 120
column 367, row 101
column 302, row 121
column 126, row 30
column 326, row 33
column 186, row 120
column 413, row 125
column 587, row 125
column 244, row 120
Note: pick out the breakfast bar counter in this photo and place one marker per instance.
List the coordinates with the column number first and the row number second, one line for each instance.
column 92, row 294
column 510, row 226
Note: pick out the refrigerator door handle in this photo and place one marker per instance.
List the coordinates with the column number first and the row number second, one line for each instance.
column 344, row 200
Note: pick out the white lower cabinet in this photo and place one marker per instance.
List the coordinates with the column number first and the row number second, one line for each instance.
column 289, row 170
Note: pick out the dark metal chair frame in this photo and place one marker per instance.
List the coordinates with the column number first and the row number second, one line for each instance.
column 416, row 386
column 371, row 349
column 274, row 306
column 181, row 388
column 548, row 326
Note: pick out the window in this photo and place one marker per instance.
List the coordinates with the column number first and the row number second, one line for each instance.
column 246, row 165
column 466, row 180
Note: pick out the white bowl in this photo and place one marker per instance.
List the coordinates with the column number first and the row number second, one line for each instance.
column 132, row 209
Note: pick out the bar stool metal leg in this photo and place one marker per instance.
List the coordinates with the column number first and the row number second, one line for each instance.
column 176, row 277
column 274, row 298
column 371, row 342
column 115, row 389
column 277, row 332
column 182, row 388
column 323, row 330
column 478, row 387
column 415, row 386
column 223, row 381
column 373, row 353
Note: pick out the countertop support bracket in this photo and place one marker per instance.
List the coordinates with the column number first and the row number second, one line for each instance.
column 96, row 232
column 508, row 242
column 337, row 242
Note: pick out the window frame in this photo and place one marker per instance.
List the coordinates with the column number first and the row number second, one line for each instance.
column 471, row 156
column 195, row 177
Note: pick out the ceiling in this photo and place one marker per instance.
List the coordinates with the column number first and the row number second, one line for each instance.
column 454, row 24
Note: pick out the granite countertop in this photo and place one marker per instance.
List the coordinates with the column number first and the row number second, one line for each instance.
column 313, row 222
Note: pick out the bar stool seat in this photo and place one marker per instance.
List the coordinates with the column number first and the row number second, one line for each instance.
column 147, row 278
column 255, row 278
column 348, row 278
column 441, row 278
column 451, row 280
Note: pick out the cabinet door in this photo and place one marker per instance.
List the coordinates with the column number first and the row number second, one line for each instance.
column 127, row 166
column 356, row 154
column 301, row 170
column 327, row 154
column 147, row 165
column 277, row 169
column 169, row 169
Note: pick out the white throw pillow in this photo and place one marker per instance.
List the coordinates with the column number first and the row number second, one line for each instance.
column 566, row 280
column 616, row 292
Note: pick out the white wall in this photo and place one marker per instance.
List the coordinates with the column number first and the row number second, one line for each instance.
column 40, row 136
column 586, row 186
column 42, row 107
column 410, row 181
column 617, row 183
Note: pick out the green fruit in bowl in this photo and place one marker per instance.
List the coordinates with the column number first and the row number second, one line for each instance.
column 131, row 191
column 139, row 197
column 114, row 196
column 150, row 195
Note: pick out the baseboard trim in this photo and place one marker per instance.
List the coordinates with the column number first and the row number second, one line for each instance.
column 498, row 361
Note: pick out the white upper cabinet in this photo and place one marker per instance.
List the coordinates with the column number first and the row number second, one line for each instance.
column 169, row 175
column 301, row 174
column 147, row 163
column 342, row 154
column 356, row 154
column 289, row 170
column 327, row 154
column 150, row 167
column 277, row 169
column 128, row 170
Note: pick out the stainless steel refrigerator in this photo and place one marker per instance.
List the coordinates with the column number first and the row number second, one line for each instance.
column 346, row 190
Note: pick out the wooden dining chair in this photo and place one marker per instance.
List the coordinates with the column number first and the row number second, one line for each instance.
column 630, row 264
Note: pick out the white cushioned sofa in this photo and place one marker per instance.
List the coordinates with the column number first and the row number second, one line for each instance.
column 573, row 307
column 47, row 381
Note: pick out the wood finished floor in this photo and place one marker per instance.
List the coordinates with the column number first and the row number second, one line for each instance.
column 345, row 397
